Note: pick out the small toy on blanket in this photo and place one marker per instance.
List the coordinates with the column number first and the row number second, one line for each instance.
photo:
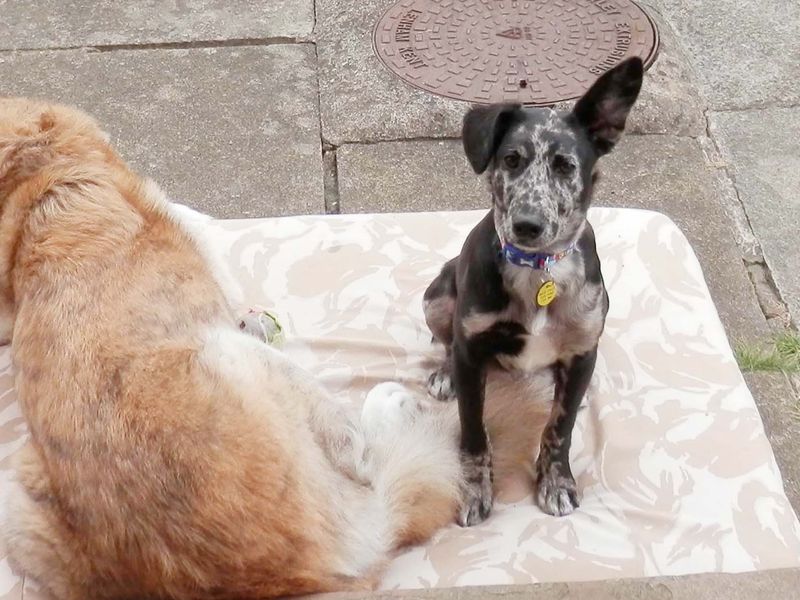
column 263, row 325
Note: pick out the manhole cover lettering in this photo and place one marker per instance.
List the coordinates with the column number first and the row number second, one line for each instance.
column 517, row 33
column 536, row 52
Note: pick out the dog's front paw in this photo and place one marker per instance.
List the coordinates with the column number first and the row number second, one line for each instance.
column 476, row 495
column 556, row 493
column 440, row 385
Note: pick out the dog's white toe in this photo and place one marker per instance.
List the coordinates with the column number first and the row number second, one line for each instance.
column 388, row 407
column 440, row 385
column 476, row 494
column 557, row 495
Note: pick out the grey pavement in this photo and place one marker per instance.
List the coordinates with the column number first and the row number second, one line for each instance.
column 780, row 584
column 279, row 107
column 234, row 131
column 359, row 99
column 411, row 175
column 746, row 58
column 762, row 150
column 747, row 54
column 671, row 174
column 69, row 24
column 778, row 408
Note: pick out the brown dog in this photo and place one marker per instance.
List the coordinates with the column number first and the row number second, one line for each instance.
column 171, row 455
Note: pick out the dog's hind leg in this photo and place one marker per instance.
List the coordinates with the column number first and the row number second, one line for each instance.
column 256, row 365
column 335, row 429
column 440, row 382
column 33, row 534
column 439, row 305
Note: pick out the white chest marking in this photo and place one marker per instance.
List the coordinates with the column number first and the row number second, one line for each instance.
column 540, row 349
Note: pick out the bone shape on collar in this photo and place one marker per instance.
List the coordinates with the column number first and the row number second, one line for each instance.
column 534, row 260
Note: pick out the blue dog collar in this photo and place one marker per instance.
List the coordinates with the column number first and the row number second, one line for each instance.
column 534, row 260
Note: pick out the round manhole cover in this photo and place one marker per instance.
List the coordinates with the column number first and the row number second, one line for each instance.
column 536, row 52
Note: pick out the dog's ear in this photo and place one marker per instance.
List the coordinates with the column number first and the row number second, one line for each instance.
column 483, row 130
column 603, row 110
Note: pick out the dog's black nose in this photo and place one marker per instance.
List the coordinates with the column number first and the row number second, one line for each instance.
column 527, row 229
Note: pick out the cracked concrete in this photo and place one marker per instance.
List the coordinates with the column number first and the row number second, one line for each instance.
column 761, row 148
column 108, row 23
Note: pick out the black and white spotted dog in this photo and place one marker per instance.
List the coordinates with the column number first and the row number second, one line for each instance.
column 526, row 290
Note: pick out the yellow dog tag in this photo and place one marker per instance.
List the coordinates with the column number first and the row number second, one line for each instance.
column 546, row 293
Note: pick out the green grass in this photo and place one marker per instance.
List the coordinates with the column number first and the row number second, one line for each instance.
column 781, row 354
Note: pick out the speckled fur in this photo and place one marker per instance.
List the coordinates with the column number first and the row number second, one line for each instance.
column 539, row 190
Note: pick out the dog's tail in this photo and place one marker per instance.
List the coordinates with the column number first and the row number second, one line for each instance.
column 414, row 462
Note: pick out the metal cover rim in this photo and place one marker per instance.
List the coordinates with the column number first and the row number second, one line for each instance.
column 648, row 58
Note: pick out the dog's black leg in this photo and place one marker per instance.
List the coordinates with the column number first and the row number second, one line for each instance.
column 556, row 492
column 469, row 379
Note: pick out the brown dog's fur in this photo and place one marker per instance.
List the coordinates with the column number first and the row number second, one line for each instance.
column 172, row 456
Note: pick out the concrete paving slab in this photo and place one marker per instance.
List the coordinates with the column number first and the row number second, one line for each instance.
column 362, row 101
column 231, row 131
column 59, row 24
column 670, row 174
column 747, row 54
column 780, row 411
column 407, row 176
column 761, row 585
column 748, row 244
column 761, row 149
column 669, row 102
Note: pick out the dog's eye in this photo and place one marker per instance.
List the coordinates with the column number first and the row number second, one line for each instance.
column 562, row 165
column 512, row 160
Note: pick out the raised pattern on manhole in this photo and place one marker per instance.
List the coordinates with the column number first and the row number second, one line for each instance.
column 536, row 52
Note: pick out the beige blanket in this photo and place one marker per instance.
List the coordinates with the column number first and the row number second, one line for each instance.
column 669, row 452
